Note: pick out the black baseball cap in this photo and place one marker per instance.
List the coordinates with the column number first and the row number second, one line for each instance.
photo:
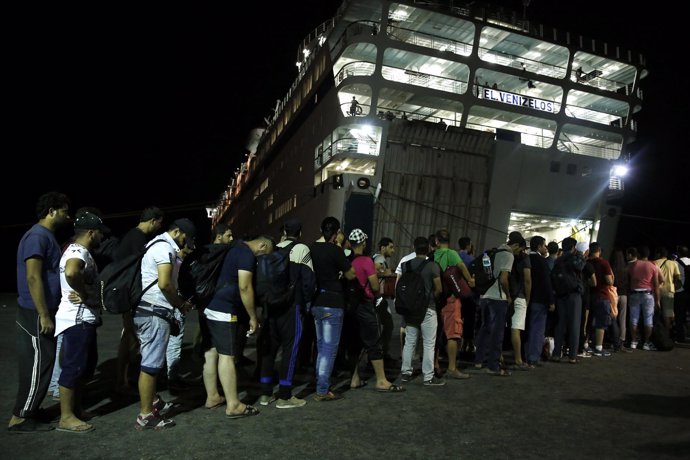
column 187, row 227
column 90, row 221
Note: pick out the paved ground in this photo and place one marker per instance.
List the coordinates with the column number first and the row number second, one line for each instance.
column 628, row 406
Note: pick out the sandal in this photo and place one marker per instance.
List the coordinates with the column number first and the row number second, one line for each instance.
column 391, row 389
column 247, row 412
column 499, row 373
column 362, row 384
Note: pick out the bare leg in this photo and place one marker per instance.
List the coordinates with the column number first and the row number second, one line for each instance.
column 147, row 392
column 382, row 382
column 210, row 376
column 67, row 417
column 517, row 345
column 228, row 379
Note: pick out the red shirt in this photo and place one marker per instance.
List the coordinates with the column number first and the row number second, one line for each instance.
column 642, row 273
column 601, row 269
column 364, row 268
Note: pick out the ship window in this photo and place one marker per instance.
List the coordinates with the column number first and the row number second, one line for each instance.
column 555, row 166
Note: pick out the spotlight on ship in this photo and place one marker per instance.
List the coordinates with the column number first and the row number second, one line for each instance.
column 620, row 170
column 363, row 183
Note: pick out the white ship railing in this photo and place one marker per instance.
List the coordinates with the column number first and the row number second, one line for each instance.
column 426, row 80
column 355, row 69
column 429, row 41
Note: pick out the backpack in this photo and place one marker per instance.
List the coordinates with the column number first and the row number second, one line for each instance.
column 483, row 276
column 119, row 283
column 273, row 285
column 198, row 277
column 660, row 335
column 565, row 277
column 411, row 300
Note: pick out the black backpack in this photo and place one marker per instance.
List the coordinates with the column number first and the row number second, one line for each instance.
column 565, row 276
column 199, row 272
column 483, row 276
column 119, row 283
column 411, row 300
column 273, row 285
column 661, row 337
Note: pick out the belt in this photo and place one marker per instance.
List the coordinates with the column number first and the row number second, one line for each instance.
column 642, row 292
column 155, row 310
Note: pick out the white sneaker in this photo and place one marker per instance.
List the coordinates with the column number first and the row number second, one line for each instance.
column 290, row 403
column 649, row 346
column 265, row 400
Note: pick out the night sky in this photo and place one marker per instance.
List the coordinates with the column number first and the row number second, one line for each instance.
column 125, row 105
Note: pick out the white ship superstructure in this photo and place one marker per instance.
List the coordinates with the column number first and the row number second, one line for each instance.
column 467, row 118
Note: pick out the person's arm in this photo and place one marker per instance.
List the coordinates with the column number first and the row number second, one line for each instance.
column 438, row 288
column 503, row 279
column 657, row 288
column 74, row 275
column 608, row 279
column 169, row 289
column 244, row 282
column 34, row 279
column 374, row 282
column 466, row 273
column 527, row 279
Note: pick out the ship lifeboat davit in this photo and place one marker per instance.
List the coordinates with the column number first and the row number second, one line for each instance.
column 253, row 139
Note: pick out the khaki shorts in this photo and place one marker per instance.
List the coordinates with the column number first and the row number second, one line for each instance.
column 452, row 321
column 667, row 306
column 520, row 312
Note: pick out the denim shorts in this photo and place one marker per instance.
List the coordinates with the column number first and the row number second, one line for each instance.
column 153, row 333
column 601, row 313
column 641, row 302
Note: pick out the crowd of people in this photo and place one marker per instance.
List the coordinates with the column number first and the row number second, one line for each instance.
column 552, row 303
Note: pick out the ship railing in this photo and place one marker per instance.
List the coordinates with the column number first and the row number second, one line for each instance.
column 521, row 63
column 534, row 139
column 425, row 40
column 611, row 151
column 391, row 114
column 603, row 83
column 426, row 80
column 345, row 146
column 355, row 69
column 361, row 111
column 583, row 113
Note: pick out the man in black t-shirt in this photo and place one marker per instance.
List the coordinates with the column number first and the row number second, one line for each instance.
column 330, row 265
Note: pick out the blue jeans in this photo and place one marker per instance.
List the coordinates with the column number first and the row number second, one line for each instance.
column 489, row 340
column 173, row 353
column 537, row 326
column 54, row 387
column 329, row 325
column 569, row 309
column 428, row 330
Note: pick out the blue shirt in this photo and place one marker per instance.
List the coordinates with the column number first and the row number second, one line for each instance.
column 227, row 298
column 39, row 242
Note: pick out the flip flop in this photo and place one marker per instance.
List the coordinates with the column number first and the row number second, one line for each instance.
column 362, row 384
column 248, row 412
column 391, row 389
column 498, row 373
column 76, row 429
column 222, row 403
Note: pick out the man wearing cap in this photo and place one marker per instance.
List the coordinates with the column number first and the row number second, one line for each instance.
column 77, row 320
column 282, row 328
column 154, row 314
column 132, row 242
column 367, row 317
column 494, row 307
column 38, row 289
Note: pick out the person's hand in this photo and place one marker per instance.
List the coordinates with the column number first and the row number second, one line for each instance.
column 47, row 327
column 74, row 298
column 186, row 307
column 253, row 326
column 552, row 308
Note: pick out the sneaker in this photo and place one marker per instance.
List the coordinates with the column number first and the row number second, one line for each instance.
column 265, row 400
column 161, row 407
column 153, row 421
column 405, row 376
column 290, row 403
column 601, row 353
column 633, row 345
column 330, row 396
column 649, row 346
column 585, row 354
column 434, row 382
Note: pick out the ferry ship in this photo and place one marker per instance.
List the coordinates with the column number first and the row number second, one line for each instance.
column 410, row 116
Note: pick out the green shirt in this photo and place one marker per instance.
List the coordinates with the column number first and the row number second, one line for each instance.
column 446, row 257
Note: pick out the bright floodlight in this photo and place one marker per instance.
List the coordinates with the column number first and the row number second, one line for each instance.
column 620, row 170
